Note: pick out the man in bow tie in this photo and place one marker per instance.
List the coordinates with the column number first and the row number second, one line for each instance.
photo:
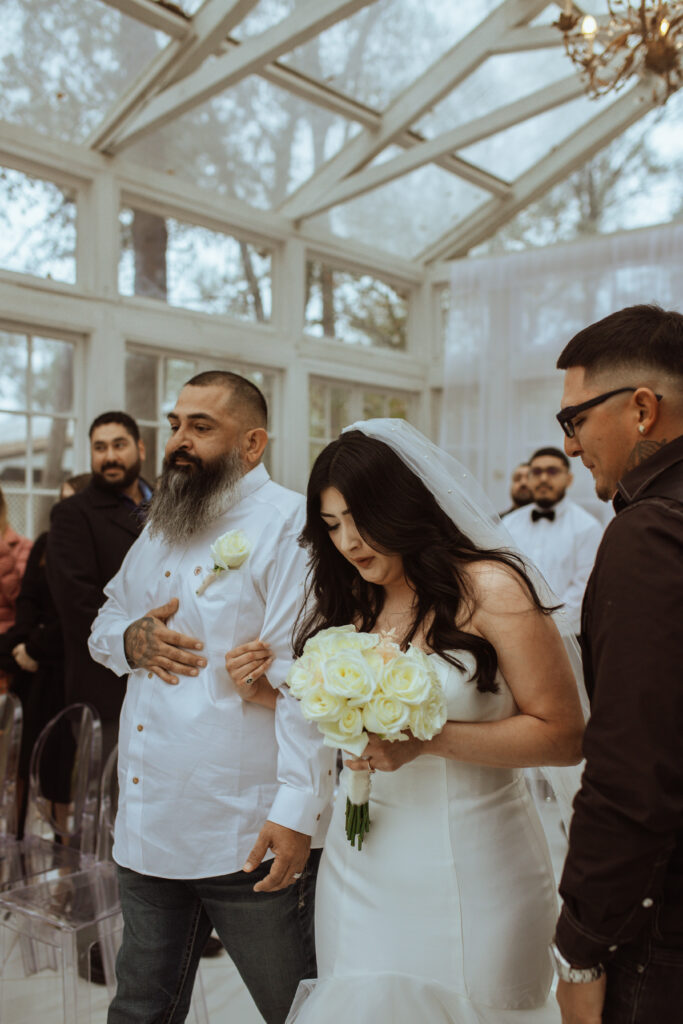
column 219, row 798
column 559, row 536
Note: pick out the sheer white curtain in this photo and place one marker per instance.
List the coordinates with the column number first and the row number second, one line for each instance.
column 510, row 317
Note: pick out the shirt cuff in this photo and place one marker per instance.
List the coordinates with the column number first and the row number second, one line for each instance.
column 579, row 947
column 295, row 809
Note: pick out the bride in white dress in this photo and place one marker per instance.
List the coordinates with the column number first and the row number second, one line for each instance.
column 446, row 914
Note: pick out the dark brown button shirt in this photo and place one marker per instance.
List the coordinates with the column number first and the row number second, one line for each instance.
column 623, row 878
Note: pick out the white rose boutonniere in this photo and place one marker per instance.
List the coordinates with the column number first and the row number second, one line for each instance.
column 228, row 552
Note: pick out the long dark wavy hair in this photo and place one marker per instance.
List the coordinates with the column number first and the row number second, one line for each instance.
column 394, row 513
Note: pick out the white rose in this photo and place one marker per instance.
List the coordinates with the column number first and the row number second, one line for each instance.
column 347, row 732
column 348, row 675
column 230, row 550
column 429, row 718
column 304, row 675
column 386, row 716
column 317, row 705
column 408, row 679
column 340, row 638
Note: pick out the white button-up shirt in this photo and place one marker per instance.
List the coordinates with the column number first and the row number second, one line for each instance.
column 564, row 550
column 200, row 770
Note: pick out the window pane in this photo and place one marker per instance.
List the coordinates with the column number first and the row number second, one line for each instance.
column 37, row 226
column 13, row 370
column 193, row 267
column 316, row 411
column 150, row 438
column 356, row 309
column 314, row 450
column 398, row 407
column 17, row 511
column 13, row 446
column 52, row 364
column 141, row 386
column 176, row 374
column 339, row 410
column 52, row 447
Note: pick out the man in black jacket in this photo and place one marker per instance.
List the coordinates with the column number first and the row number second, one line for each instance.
column 89, row 536
column 619, row 941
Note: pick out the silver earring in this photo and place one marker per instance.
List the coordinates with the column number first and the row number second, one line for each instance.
column 641, row 428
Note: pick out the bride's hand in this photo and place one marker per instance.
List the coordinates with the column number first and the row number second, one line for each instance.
column 385, row 756
column 247, row 666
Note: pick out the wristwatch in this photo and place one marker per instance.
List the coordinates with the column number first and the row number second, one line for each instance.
column 574, row 975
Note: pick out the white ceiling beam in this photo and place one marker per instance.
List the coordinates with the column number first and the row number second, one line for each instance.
column 556, row 166
column 211, row 25
column 306, row 21
column 205, row 34
column 531, row 37
column 153, row 15
column 438, row 80
column 458, row 138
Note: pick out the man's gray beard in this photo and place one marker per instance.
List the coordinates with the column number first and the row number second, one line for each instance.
column 186, row 501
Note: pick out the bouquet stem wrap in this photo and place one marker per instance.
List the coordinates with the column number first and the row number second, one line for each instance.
column 357, row 786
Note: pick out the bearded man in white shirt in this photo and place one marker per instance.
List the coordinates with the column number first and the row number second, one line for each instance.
column 559, row 536
column 219, row 798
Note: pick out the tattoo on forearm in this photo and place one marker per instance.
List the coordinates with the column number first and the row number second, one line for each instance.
column 642, row 450
column 138, row 641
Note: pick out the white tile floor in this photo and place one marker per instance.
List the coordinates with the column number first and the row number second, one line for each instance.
column 37, row 999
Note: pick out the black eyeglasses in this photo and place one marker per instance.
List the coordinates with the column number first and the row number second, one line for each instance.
column 570, row 412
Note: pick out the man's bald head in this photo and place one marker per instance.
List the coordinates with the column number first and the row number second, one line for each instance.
column 246, row 400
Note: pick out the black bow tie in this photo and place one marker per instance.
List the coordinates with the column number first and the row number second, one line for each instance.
column 542, row 513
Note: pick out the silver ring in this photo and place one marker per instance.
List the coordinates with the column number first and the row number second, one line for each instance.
column 297, row 874
column 248, row 680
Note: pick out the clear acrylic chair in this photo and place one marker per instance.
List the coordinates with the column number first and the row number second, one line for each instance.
column 10, row 741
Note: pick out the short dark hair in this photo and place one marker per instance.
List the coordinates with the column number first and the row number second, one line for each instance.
column 556, row 453
column 243, row 391
column 126, row 421
column 635, row 336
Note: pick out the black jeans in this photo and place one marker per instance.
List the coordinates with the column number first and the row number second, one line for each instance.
column 645, row 985
column 269, row 937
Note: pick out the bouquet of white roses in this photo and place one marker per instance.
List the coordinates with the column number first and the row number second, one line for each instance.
column 353, row 683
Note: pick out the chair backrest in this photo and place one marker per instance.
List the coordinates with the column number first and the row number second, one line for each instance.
column 10, row 741
column 109, row 803
column 64, row 779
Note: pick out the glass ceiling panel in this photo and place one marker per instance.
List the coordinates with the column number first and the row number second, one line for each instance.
column 379, row 51
column 636, row 181
column 515, row 150
column 189, row 6
column 254, row 142
column 407, row 214
column 500, row 80
column 64, row 63
column 266, row 14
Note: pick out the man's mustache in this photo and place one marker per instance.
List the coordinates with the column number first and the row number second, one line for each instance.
column 111, row 465
column 172, row 459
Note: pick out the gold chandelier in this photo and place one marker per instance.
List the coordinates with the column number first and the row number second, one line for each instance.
column 634, row 39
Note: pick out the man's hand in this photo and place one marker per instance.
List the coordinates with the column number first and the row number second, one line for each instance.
column 291, row 851
column 582, row 1003
column 24, row 659
column 149, row 643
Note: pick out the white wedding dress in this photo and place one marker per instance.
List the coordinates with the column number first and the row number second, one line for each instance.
column 446, row 914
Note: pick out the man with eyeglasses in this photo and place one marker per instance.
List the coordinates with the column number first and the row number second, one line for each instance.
column 559, row 536
column 619, row 941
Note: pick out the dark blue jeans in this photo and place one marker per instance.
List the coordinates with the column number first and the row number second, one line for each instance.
column 645, row 985
column 269, row 937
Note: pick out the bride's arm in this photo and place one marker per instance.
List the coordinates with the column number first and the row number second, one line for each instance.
column 252, row 661
column 532, row 659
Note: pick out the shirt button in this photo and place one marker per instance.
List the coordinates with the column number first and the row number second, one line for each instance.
column 640, row 968
column 140, row 728
column 613, row 949
column 167, row 573
column 197, row 570
column 150, row 675
column 647, row 902
column 317, row 817
column 135, row 780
